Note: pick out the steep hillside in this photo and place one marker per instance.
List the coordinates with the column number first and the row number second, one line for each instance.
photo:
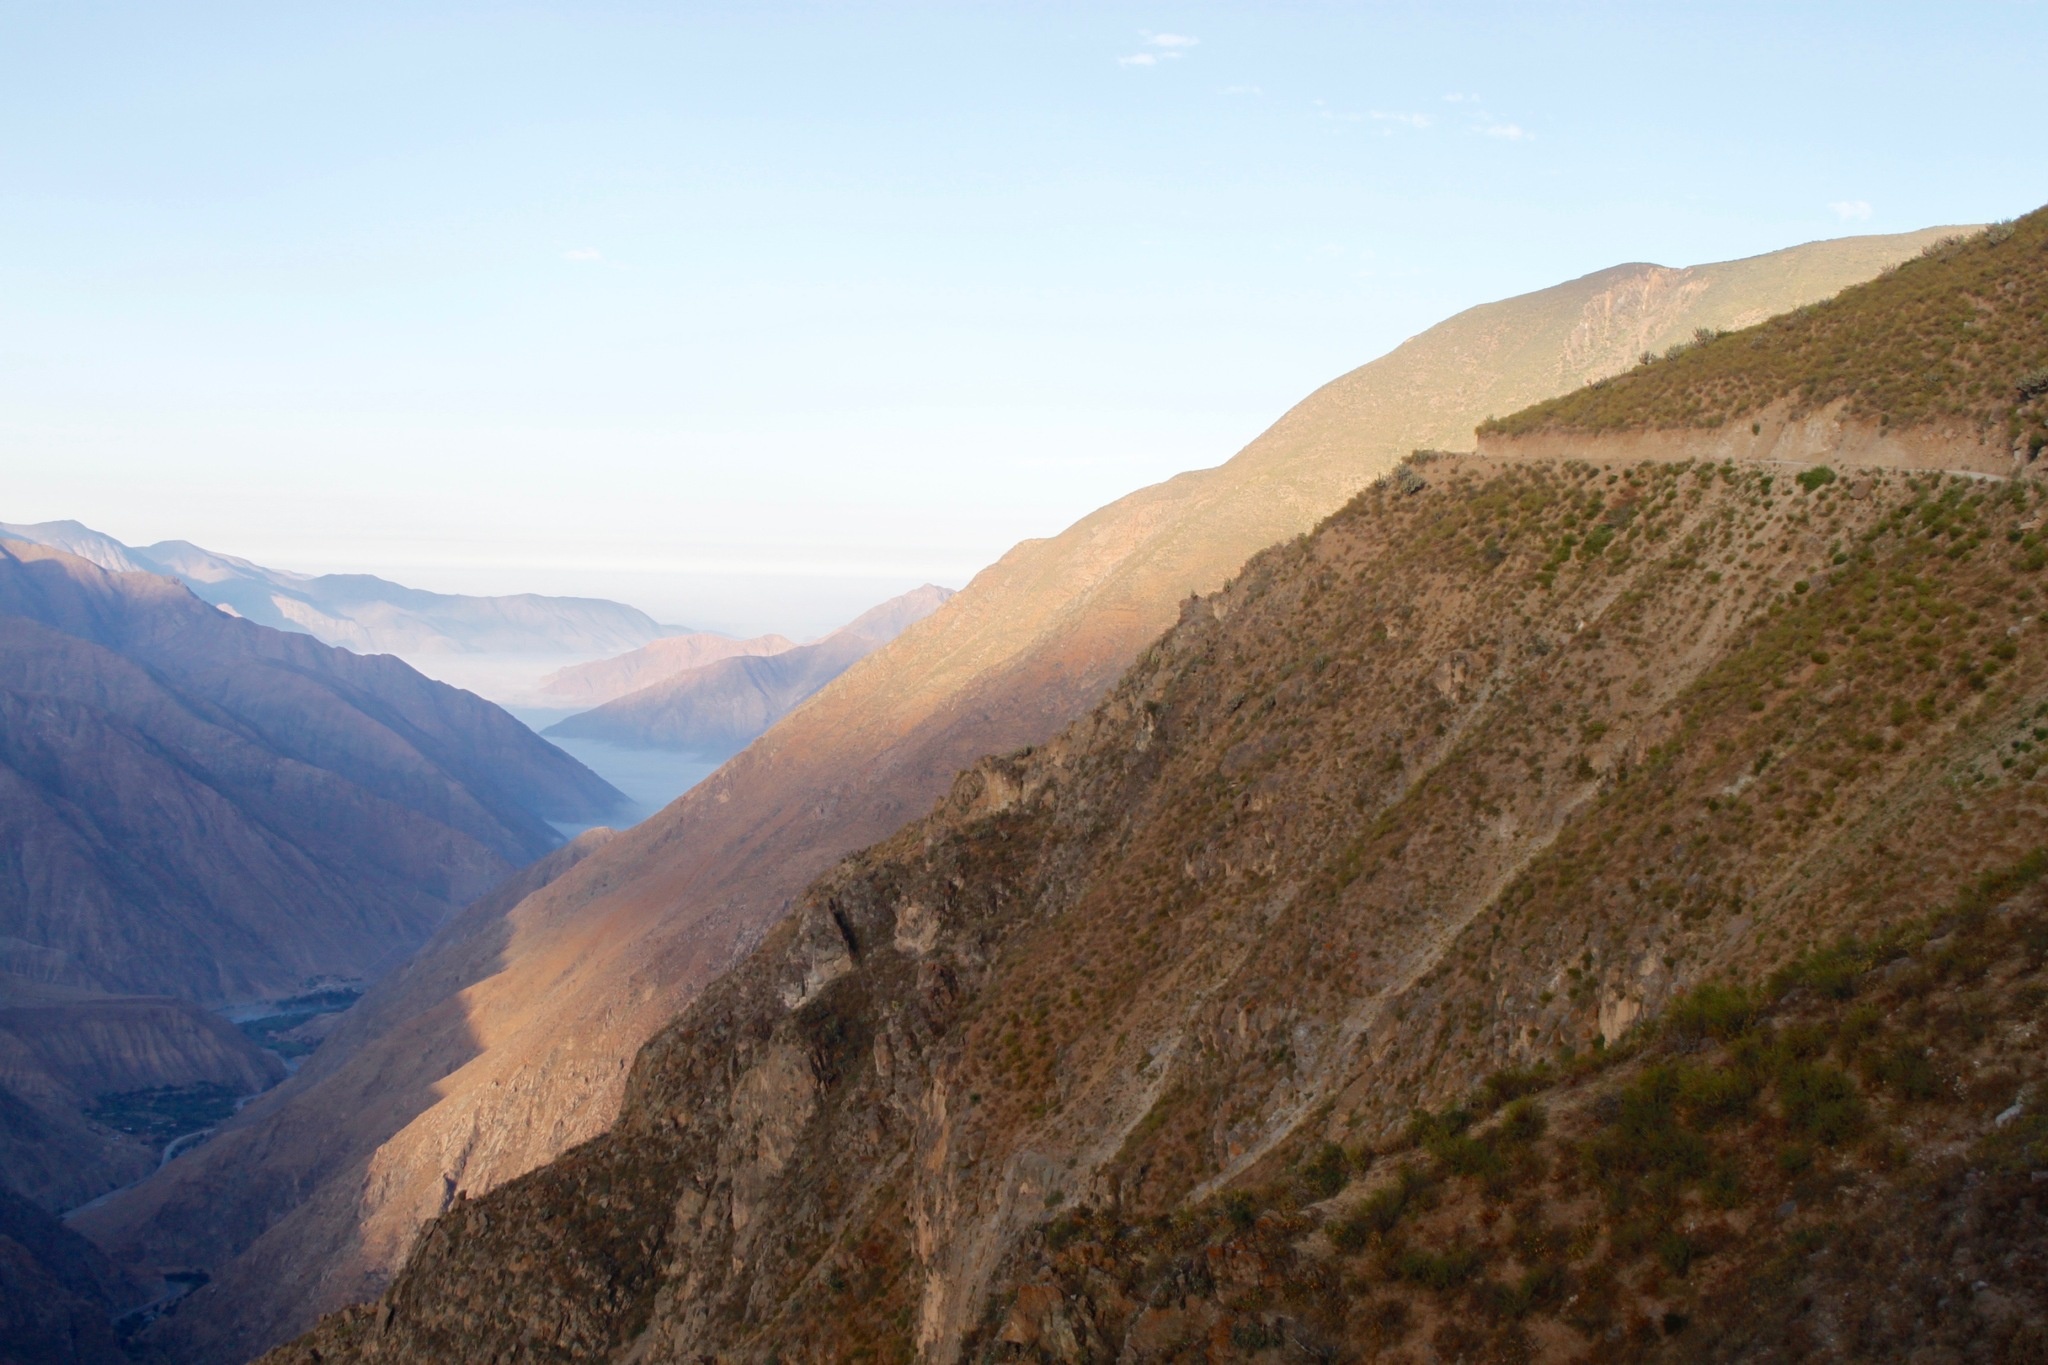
column 1460, row 799
column 200, row 807
column 57, row 1293
column 717, row 709
column 1949, row 349
column 360, row 612
column 599, row 960
column 319, row 1133
column 64, row 1052
column 594, row 684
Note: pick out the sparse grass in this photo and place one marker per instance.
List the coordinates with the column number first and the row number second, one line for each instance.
column 1958, row 336
column 1681, row 1183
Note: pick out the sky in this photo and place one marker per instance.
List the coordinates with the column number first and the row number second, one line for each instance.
column 755, row 314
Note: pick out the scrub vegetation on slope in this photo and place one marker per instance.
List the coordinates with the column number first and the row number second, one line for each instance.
column 1958, row 336
column 1486, row 788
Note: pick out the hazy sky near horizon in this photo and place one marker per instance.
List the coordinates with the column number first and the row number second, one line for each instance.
column 754, row 314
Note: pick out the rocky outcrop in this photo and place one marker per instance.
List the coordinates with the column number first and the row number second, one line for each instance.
column 598, row 961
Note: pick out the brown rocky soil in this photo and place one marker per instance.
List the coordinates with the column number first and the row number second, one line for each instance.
column 1460, row 798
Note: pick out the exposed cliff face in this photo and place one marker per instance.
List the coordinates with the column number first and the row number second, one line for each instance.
column 200, row 807
column 599, row 960
column 1503, row 759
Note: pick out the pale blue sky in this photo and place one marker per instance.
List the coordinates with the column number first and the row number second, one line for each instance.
column 751, row 314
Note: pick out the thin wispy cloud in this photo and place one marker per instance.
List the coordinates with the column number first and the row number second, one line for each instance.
column 1160, row 47
column 1404, row 120
column 1479, row 121
column 1242, row 90
column 583, row 254
column 1851, row 210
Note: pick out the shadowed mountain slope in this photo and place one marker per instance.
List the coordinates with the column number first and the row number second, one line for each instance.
column 363, row 613
column 198, row 806
column 601, row 958
column 594, row 684
column 719, row 708
column 1119, row 1053
column 63, row 1049
column 57, row 1292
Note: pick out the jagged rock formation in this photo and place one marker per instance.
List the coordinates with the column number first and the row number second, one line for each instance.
column 600, row 959
column 603, row 680
column 361, row 612
column 718, row 708
column 1505, row 759
column 201, row 807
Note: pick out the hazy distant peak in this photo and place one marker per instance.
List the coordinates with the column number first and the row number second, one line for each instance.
column 362, row 612
column 603, row 680
column 186, row 560
column 76, row 538
column 884, row 623
column 720, row 707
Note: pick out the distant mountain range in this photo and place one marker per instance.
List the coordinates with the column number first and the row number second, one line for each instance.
column 594, row 684
column 363, row 613
column 197, row 810
column 309, row 811
column 717, row 709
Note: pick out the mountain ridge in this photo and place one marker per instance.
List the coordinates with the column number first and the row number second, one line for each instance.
column 623, row 942
column 89, row 654
column 717, row 708
column 362, row 612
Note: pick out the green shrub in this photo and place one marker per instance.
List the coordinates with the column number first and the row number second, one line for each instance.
column 1712, row 1009
column 1439, row 1270
column 1711, row 1095
column 1325, row 1171
column 1523, row 1123
column 1820, row 476
column 1822, row 1102
column 1904, row 1070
